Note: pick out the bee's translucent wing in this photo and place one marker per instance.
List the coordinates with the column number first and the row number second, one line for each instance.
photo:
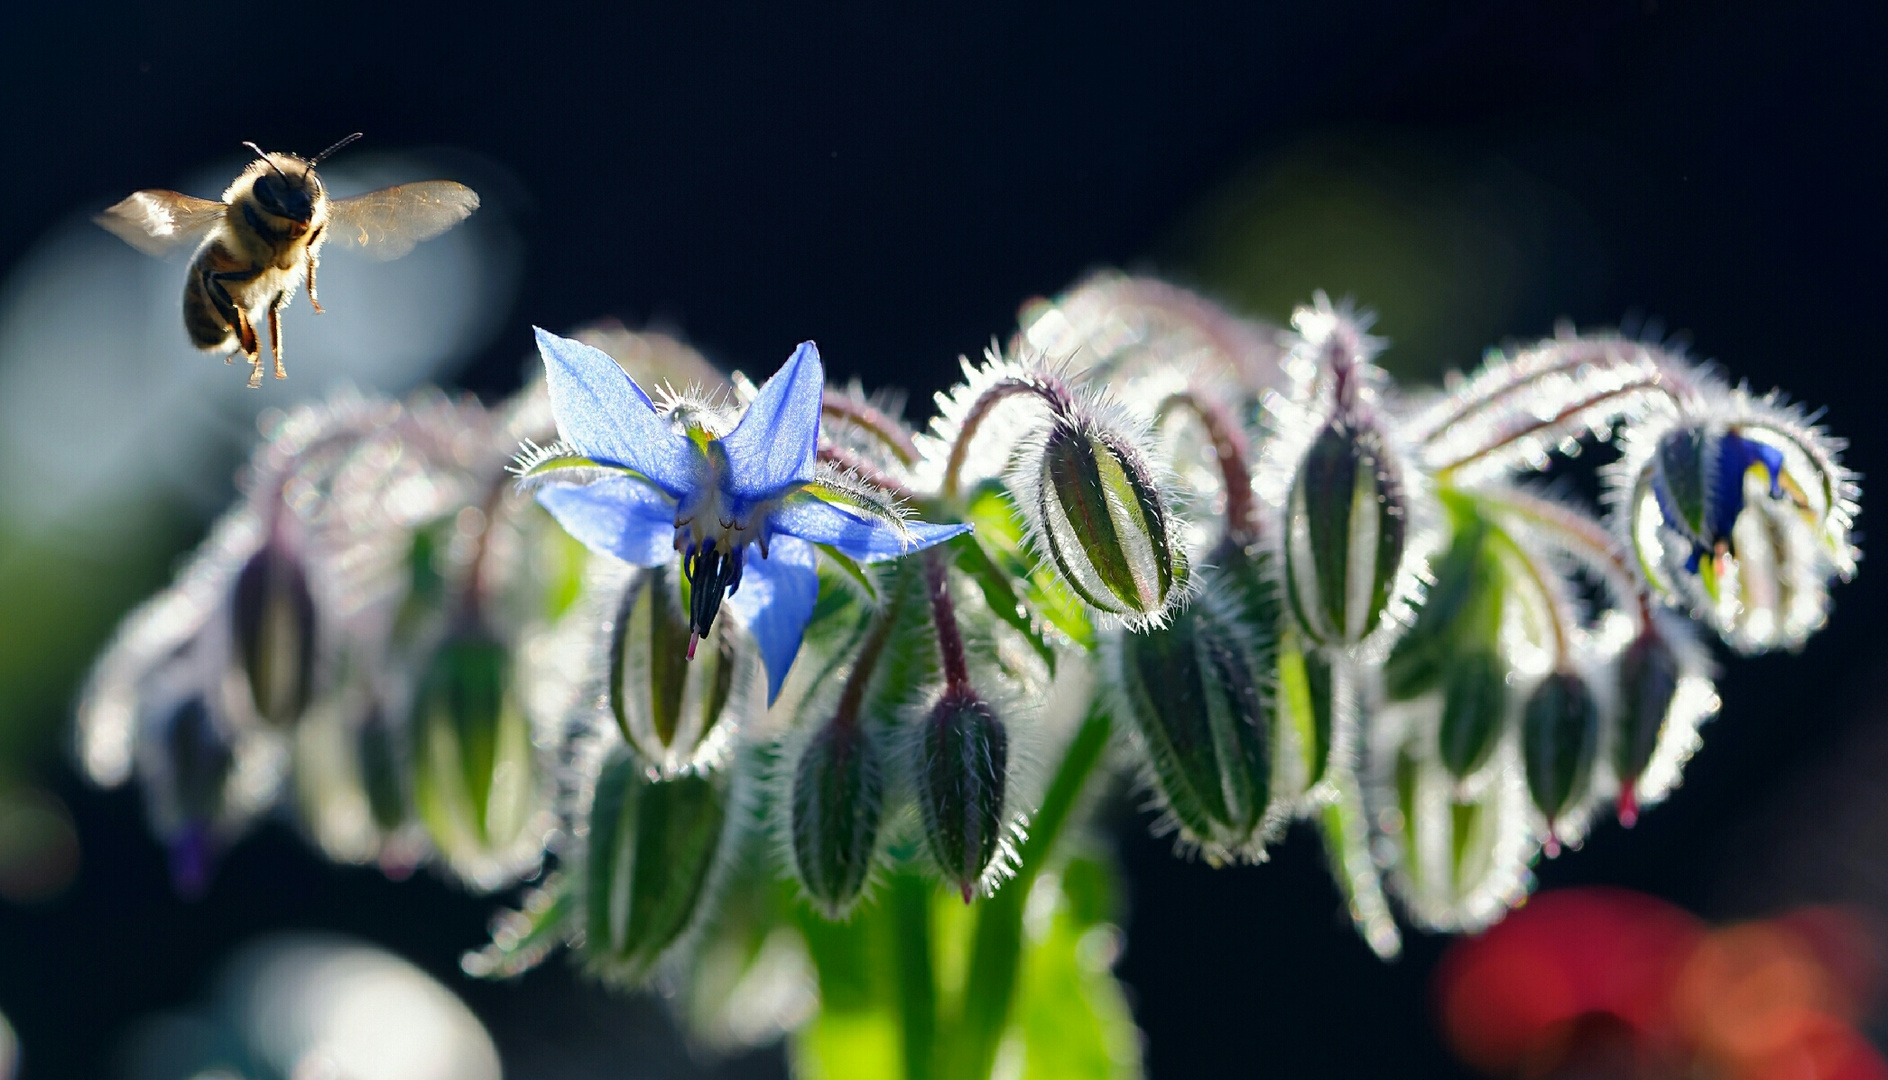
column 385, row 224
column 160, row 222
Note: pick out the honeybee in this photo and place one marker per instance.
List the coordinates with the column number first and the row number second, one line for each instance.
column 265, row 237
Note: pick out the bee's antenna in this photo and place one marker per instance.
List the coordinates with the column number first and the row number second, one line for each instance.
column 323, row 156
column 265, row 159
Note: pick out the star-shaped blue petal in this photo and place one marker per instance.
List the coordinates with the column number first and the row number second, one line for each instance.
column 745, row 510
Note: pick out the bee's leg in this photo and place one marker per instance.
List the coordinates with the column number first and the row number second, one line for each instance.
column 314, row 262
column 245, row 333
column 255, row 372
column 275, row 335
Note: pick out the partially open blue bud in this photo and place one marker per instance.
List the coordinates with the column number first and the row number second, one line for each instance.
column 1560, row 732
column 1698, row 478
column 475, row 772
column 652, row 847
column 1347, row 526
column 1105, row 524
column 1198, row 694
column 836, row 802
column 961, row 771
column 273, row 621
column 1744, row 520
column 669, row 709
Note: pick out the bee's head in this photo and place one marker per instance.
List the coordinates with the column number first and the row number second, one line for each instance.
column 286, row 185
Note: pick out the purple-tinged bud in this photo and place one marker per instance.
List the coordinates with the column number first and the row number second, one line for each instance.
column 1560, row 731
column 672, row 710
column 1105, row 524
column 198, row 760
column 652, row 847
column 962, row 758
column 836, row 803
column 1347, row 527
column 274, row 624
column 1649, row 673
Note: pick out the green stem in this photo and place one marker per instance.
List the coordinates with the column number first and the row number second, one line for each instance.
column 996, row 951
column 910, row 902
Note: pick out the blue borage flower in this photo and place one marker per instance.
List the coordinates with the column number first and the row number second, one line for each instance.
column 640, row 484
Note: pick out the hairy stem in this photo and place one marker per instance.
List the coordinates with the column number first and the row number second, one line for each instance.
column 1231, row 450
column 950, row 639
column 1051, row 389
column 877, row 422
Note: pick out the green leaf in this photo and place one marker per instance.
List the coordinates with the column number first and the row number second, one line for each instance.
column 998, row 592
column 1072, row 1016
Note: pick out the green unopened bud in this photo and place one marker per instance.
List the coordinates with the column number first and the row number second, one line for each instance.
column 1461, row 859
column 1346, row 530
column 1649, row 671
column 1460, row 610
column 475, row 772
column 273, row 616
column 838, row 797
column 1474, row 710
column 1106, row 525
column 1195, row 692
column 647, row 869
column 1560, row 730
column 963, row 755
column 668, row 707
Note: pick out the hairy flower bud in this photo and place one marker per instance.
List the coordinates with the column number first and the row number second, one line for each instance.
column 837, row 799
column 1743, row 515
column 962, row 758
column 475, row 781
column 1462, row 858
column 1474, row 710
column 198, row 759
column 1650, row 672
column 652, row 846
column 668, row 707
column 273, row 617
column 1105, row 524
column 1560, row 730
column 1196, row 692
column 1347, row 526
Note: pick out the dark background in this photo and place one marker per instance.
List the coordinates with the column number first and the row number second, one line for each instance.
column 894, row 186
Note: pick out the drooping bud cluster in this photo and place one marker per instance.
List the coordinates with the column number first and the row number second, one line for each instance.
column 761, row 672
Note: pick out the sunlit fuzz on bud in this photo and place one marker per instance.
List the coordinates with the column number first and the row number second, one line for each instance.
column 675, row 713
column 274, row 624
column 961, row 768
column 1740, row 510
column 649, row 857
column 1560, row 731
column 1198, row 694
column 1095, row 510
column 836, row 802
column 475, row 772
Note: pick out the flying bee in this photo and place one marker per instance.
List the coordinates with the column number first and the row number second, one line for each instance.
column 266, row 237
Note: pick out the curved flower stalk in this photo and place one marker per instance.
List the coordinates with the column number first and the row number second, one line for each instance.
column 1234, row 563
